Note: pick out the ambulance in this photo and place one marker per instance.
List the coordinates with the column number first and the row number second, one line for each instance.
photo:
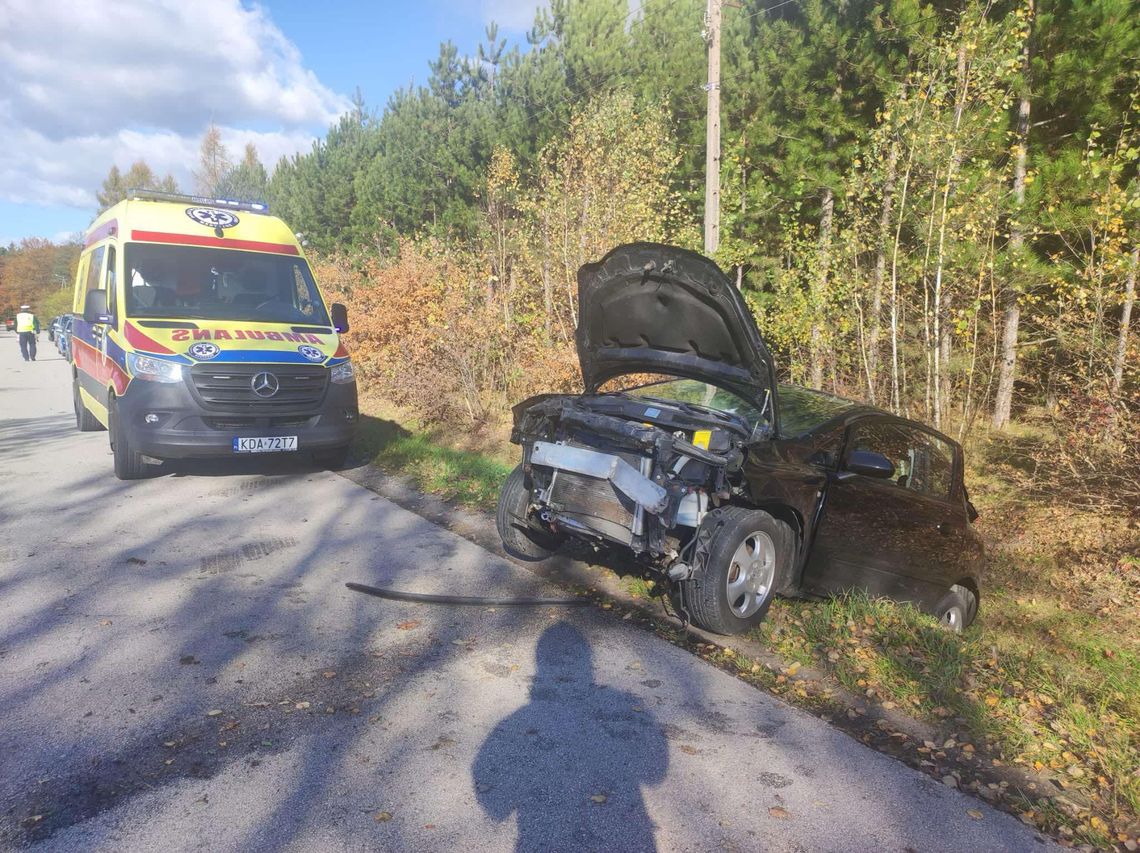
column 200, row 332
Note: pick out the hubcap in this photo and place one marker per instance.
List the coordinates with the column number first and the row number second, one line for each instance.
column 952, row 619
column 750, row 574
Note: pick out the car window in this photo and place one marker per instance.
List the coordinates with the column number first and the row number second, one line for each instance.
column 700, row 394
column 923, row 463
column 802, row 409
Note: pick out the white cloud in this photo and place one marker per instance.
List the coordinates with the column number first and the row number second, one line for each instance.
column 84, row 85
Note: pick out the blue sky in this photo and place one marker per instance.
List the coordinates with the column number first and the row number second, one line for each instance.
column 86, row 85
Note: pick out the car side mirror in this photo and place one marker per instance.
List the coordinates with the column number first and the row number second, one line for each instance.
column 95, row 308
column 868, row 464
column 339, row 317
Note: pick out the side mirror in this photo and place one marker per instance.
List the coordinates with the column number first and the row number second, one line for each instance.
column 868, row 464
column 95, row 308
column 339, row 317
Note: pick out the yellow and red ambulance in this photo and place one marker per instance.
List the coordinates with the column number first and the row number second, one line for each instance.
column 200, row 331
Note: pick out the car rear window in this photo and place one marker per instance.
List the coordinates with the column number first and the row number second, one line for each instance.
column 802, row 410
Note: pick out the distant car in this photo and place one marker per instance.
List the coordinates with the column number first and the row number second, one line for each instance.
column 63, row 336
column 10, row 324
column 53, row 328
column 724, row 486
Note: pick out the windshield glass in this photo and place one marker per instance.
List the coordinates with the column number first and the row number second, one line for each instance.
column 802, row 409
column 701, row 394
column 194, row 283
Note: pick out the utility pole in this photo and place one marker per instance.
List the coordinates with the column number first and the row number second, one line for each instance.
column 712, row 130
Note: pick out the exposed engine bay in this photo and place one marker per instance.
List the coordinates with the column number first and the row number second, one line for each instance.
column 629, row 470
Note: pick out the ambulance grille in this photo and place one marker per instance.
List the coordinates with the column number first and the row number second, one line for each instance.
column 230, row 386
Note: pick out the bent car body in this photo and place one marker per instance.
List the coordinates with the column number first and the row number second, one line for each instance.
column 726, row 486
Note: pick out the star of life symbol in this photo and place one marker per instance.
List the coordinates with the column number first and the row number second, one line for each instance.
column 211, row 217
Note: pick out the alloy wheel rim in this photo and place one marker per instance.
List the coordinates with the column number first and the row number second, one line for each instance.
column 952, row 619
column 751, row 573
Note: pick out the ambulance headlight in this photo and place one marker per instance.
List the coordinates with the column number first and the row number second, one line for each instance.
column 153, row 369
column 342, row 374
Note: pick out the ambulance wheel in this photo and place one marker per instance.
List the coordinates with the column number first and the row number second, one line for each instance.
column 84, row 420
column 333, row 459
column 129, row 464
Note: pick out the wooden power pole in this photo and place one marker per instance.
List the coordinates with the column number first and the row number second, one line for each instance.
column 712, row 131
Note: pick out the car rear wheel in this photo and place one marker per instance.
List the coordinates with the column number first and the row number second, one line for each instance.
column 129, row 463
column 519, row 539
column 84, row 420
column 957, row 609
column 747, row 557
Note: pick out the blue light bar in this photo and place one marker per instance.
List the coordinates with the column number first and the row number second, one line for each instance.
column 233, row 204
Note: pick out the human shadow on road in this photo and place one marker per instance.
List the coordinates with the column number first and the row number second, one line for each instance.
column 570, row 764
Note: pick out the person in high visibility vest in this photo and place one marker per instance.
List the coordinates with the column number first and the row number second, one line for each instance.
column 27, row 329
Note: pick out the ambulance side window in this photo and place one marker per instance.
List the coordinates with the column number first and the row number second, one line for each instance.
column 81, row 276
column 94, row 270
column 110, row 282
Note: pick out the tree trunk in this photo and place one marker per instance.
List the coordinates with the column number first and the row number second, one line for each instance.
column 547, row 286
column 880, row 272
column 1125, row 321
column 1003, row 398
column 825, row 222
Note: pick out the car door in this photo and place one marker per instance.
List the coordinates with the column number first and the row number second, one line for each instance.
column 889, row 536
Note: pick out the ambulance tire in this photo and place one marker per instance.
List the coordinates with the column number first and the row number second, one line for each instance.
column 84, row 420
column 129, row 464
column 333, row 459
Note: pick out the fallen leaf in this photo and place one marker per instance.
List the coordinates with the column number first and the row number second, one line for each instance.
column 974, row 813
column 328, row 673
column 688, row 750
column 382, row 817
column 407, row 625
column 779, row 812
column 301, row 706
column 216, row 712
column 598, row 798
column 104, row 622
column 793, row 669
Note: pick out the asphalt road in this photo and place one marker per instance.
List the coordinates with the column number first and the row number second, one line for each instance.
column 181, row 667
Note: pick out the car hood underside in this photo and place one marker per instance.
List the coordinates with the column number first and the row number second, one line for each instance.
column 652, row 308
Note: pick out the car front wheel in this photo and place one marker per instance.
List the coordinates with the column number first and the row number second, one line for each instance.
column 519, row 539
column 747, row 556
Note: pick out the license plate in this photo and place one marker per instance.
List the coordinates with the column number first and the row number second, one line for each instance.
column 265, row 444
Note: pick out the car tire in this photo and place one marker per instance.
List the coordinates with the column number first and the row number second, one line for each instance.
column 129, row 463
column 747, row 556
column 84, row 420
column 957, row 609
column 333, row 459
column 520, row 540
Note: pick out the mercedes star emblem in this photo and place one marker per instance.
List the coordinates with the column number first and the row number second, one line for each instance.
column 264, row 384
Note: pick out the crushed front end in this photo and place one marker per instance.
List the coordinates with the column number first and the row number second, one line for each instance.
column 623, row 470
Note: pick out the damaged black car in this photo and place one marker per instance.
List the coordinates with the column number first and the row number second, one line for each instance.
column 724, row 486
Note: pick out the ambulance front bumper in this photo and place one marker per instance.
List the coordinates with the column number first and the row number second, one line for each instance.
column 167, row 421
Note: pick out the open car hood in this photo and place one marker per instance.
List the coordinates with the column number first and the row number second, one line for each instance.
column 651, row 308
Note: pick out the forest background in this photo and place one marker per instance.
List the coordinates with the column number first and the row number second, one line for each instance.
column 932, row 207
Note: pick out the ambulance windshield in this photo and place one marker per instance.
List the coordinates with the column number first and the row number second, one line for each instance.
column 193, row 283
